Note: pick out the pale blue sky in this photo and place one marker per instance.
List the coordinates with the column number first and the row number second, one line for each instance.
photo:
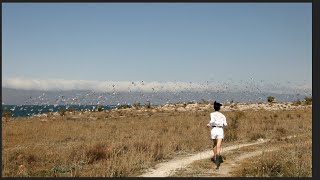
column 158, row 41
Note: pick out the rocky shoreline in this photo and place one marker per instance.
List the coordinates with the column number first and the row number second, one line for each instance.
column 179, row 107
column 182, row 107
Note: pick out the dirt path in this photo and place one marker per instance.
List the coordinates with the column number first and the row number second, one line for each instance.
column 226, row 168
column 166, row 168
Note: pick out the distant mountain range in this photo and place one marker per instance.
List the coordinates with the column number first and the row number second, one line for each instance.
column 88, row 97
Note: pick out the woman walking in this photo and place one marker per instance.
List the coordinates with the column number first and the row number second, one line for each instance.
column 217, row 122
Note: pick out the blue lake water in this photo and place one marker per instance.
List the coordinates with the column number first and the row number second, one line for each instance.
column 29, row 110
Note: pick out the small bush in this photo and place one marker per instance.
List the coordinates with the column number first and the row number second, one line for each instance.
column 100, row 108
column 308, row 100
column 281, row 131
column 71, row 109
column 136, row 105
column 148, row 104
column 158, row 152
column 31, row 158
column 7, row 114
column 60, row 169
column 297, row 102
column 124, row 106
column 62, row 112
column 271, row 99
column 257, row 136
column 97, row 152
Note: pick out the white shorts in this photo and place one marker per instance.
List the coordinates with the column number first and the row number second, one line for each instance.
column 217, row 133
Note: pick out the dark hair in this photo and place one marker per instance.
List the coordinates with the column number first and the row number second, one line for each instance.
column 216, row 106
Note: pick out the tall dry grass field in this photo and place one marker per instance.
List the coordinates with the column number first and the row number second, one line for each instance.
column 290, row 158
column 125, row 143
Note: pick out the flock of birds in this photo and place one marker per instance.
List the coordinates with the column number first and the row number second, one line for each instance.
column 253, row 90
column 156, row 94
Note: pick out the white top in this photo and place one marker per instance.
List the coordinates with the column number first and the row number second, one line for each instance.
column 217, row 119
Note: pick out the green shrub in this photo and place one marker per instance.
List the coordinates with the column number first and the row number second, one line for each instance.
column 62, row 112
column 71, row 109
column 100, row 108
column 308, row 100
column 136, row 105
column 297, row 102
column 148, row 104
column 124, row 106
column 7, row 114
column 271, row 99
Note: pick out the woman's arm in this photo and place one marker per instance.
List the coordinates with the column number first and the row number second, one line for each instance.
column 211, row 121
column 224, row 121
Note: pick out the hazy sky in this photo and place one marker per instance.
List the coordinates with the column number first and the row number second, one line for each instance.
column 155, row 42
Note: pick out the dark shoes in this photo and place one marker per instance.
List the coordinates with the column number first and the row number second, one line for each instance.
column 221, row 159
column 218, row 160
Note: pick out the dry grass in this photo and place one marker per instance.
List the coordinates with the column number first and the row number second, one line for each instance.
column 199, row 168
column 293, row 159
column 124, row 143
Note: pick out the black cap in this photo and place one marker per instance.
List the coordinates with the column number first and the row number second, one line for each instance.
column 216, row 105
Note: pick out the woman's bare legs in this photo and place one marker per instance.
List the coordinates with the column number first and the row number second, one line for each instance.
column 218, row 146
column 214, row 148
column 218, row 150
